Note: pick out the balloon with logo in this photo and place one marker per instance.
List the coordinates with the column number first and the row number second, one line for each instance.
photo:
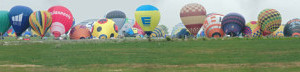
column 148, row 17
column 4, row 22
column 292, row 28
column 252, row 29
column 19, row 18
column 193, row 16
column 212, row 26
column 80, row 32
column 118, row 17
column 62, row 20
column 105, row 29
column 269, row 20
column 40, row 22
column 233, row 24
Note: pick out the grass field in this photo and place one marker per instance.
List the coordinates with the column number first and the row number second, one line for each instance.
column 229, row 55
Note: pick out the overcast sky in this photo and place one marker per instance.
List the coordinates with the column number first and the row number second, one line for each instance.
column 91, row 9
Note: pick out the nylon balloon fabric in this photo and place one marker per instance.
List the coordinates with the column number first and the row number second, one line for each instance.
column 40, row 22
column 233, row 24
column 269, row 20
column 19, row 18
column 193, row 16
column 212, row 26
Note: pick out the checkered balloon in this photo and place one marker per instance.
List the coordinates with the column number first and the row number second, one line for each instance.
column 269, row 20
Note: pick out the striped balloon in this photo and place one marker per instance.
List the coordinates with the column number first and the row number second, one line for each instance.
column 212, row 26
column 233, row 24
column 40, row 22
column 193, row 16
column 292, row 28
column 252, row 29
column 269, row 20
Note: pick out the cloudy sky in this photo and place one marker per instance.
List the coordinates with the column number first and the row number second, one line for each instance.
column 96, row 9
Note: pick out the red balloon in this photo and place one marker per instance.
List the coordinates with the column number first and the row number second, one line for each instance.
column 62, row 20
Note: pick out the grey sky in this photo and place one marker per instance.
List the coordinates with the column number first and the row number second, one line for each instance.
column 91, row 9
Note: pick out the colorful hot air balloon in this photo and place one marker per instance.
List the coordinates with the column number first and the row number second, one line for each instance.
column 158, row 32
column 193, row 16
column 118, row 17
column 62, row 20
column 292, row 28
column 252, row 29
column 212, row 26
column 80, row 32
column 4, row 22
column 269, row 20
column 105, row 29
column 176, row 29
column 279, row 31
column 88, row 23
column 11, row 32
column 233, row 24
column 148, row 17
column 19, row 18
column 40, row 22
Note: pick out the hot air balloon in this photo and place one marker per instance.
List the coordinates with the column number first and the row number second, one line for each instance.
column 19, row 18
column 292, row 28
column 11, row 32
column 40, row 22
column 118, row 17
column 105, row 29
column 88, row 23
column 62, row 20
column 4, row 22
column 212, row 26
column 193, row 16
column 148, row 17
column 139, row 29
column 279, row 31
column 269, row 20
column 252, row 29
column 80, row 32
column 177, row 28
column 158, row 32
column 233, row 24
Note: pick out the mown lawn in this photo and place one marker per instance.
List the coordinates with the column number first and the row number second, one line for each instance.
column 236, row 55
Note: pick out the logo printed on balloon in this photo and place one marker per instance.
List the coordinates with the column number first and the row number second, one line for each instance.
column 17, row 20
column 146, row 21
column 61, row 13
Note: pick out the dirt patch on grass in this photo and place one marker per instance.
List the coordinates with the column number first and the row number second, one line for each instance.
column 26, row 65
column 279, row 52
column 220, row 66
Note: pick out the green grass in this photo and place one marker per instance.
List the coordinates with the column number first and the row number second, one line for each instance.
column 205, row 55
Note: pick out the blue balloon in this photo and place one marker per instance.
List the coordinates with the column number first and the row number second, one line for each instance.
column 19, row 18
column 233, row 24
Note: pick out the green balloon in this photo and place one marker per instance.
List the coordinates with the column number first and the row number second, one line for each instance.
column 4, row 22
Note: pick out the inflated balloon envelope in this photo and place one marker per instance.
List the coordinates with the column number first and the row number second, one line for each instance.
column 4, row 22
column 19, row 18
column 40, row 22
column 62, row 20
column 148, row 17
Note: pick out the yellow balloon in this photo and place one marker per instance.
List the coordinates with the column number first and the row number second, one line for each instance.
column 148, row 17
column 105, row 29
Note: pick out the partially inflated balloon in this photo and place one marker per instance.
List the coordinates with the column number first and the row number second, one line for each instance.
column 118, row 17
column 292, row 28
column 252, row 29
column 233, row 24
column 4, row 22
column 147, row 16
column 212, row 26
column 279, row 31
column 269, row 20
column 40, row 22
column 193, row 16
column 62, row 20
column 11, row 32
column 80, row 32
column 177, row 29
column 19, row 18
